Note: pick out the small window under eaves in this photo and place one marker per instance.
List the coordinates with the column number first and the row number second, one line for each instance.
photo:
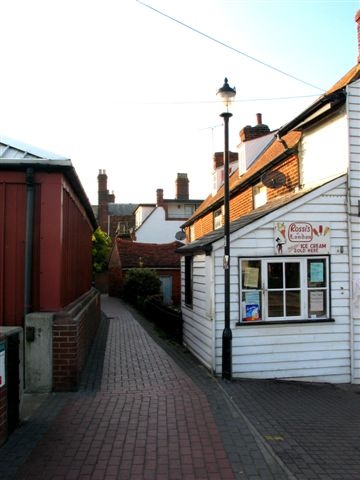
column 259, row 195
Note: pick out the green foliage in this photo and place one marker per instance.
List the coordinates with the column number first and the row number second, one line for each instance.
column 140, row 284
column 101, row 247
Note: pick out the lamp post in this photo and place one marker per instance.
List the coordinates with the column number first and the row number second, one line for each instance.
column 227, row 94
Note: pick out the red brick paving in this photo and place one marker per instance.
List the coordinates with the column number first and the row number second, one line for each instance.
column 148, row 422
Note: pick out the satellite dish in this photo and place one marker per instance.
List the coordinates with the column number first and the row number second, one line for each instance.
column 274, row 179
column 180, row 235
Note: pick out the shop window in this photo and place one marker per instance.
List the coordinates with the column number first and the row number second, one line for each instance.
column 188, row 281
column 284, row 289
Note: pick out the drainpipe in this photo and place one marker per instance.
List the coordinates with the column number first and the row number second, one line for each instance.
column 30, row 203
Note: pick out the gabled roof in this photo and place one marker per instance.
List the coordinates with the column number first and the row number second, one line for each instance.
column 204, row 244
column 148, row 255
column 287, row 139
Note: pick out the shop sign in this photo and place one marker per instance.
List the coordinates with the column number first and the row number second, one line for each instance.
column 301, row 238
column 2, row 365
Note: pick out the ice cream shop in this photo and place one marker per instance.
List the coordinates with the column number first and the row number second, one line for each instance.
column 293, row 293
column 284, row 279
column 294, row 262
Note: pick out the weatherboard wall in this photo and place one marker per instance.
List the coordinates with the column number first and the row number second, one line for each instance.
column 198, row 325
column 308, row 351
column 353, row 108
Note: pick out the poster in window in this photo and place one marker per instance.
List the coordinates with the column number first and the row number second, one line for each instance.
column 316, row 272
column 317, row 301
column 252, row 312
column 252, row 297
column 251, row 277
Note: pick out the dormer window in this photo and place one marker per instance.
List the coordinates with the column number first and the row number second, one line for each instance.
column 259, row 195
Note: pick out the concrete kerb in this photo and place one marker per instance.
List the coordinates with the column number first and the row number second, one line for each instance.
column 265, row 448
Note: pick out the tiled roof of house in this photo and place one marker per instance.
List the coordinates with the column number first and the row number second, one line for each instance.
column 148, row 255
column 204, row 243
column 275, row 150
column 350, row 77
column 121, row 209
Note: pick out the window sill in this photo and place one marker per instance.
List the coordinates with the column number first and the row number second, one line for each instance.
column 284, row 322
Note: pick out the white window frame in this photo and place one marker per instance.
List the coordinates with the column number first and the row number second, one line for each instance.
column 259, row 195
column 218, row 218
column 262, row 291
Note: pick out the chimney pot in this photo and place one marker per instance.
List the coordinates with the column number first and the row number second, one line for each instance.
column 249, row 133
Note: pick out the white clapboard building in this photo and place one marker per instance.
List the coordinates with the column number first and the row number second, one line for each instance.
column 294, row 261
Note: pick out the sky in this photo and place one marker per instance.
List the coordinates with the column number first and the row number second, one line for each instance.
column 129, row 86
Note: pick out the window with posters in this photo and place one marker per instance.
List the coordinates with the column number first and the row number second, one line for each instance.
column 283, row 289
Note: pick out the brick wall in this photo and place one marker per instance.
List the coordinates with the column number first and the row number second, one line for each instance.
column 242, row 202
column 73, row 332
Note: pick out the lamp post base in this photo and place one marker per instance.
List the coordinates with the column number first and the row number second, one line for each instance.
column 227, row 354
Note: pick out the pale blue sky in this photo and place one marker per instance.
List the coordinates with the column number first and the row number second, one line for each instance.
column 117, row 85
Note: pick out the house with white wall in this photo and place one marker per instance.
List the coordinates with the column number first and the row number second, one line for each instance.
column 161, row 222
column 294, row 260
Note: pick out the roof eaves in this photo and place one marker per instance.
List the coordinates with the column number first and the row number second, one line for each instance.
column 322, row 107
column 205, row 243
column 242, row 184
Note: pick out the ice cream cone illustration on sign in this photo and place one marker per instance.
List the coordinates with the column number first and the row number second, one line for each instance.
column 280, row 237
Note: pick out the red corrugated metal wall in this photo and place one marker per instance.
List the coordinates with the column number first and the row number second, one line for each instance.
column 62, row 263
column 12, row 241
column 76, row 251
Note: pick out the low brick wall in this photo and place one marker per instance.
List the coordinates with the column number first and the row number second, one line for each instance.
column 74, row 330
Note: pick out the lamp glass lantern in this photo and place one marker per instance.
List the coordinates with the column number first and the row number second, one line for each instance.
column 226, row 94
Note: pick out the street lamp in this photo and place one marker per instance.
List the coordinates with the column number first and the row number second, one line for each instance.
column 227, row 94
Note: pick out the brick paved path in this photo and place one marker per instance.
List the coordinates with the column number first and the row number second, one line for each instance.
column 138, row 416
column 147, row 410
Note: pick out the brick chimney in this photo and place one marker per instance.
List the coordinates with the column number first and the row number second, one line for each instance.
column 159, row 197
column 103, row 193
column 219, row 159
column 182, row 187
column 357, row 20
column 102, row 187
column 249, row 133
